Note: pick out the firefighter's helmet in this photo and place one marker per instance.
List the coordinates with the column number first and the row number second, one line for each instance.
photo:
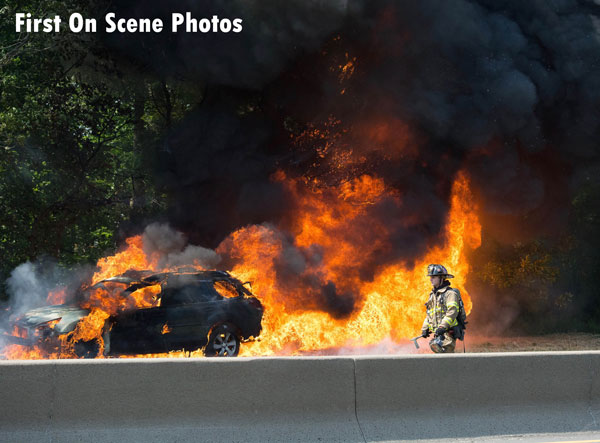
column 435, row 270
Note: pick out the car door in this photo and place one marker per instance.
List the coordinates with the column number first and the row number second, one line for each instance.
column 188, row 313
column 138, row 331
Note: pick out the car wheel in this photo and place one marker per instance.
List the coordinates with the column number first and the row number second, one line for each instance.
column 223, row 341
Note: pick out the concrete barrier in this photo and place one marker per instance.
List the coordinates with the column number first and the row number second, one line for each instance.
column 160, row 400
column 300, row 399
column 476, row 395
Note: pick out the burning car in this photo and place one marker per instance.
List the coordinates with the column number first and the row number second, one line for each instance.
column 190, row 310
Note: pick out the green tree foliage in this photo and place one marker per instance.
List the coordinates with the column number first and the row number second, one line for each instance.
column 551, row 282
column 582, row 266
column 525, row 272
column 72, row 145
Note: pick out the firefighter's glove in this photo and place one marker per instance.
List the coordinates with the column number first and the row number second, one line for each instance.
column 440, row 331
column 425, row 333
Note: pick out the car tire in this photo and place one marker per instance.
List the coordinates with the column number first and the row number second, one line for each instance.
column 223, row 341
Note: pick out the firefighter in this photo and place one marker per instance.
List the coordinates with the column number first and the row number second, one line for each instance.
column 442, row 310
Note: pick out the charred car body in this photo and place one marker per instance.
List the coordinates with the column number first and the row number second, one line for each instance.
column 209, row 309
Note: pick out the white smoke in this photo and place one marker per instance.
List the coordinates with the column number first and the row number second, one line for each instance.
column 387, row 346
column 27, row 288
column 160, row 238
column 173, row 250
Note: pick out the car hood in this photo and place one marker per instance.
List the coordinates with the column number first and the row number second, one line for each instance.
column 69, row 316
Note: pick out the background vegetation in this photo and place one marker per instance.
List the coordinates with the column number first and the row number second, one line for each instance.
column 75, row 133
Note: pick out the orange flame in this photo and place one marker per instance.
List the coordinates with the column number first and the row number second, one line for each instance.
column 133, row 257
column 393, row 302
column 57, row 297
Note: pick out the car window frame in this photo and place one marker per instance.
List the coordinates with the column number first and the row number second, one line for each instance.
column 192, row 301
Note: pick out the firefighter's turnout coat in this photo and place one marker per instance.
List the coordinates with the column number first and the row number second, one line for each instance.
column 442, row 310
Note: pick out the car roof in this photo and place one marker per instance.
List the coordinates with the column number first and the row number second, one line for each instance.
column 150, row 278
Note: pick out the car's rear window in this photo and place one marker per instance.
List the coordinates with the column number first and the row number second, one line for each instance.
column 198, row 292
